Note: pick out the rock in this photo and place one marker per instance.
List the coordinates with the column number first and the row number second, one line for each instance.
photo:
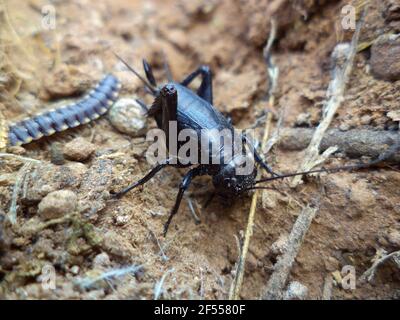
column 79, row 149
column 65, row 81
column 121, row 220
column 47, row 178
column 394, row 238
column 280, row 245
column 7, row 179
column 56, row 153
column 116, row 245
column 92, row 280
column 385, row 57
column 95, row 187
column 75, row 270
column 296, row 291
column 391, row 11
column 76, row 168
column 57, row 204
column 127, row 116
column 331, row 264
column 102, row 260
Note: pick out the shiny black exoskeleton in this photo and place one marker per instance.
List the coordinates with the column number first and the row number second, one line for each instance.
column 194, row 110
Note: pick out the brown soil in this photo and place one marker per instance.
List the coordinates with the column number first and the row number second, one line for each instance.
column 359, row 213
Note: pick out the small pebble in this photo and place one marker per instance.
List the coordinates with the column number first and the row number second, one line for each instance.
column 57, row 204
column 121, row 220
column 296, row 291
column 56, row 153
column 344, row 127
column 280, row 245
column 79, row 149
column 127, row 116
column 394, row 238
column 331, row 264
column 385, row 57
column 74, row 270
column 102, row 260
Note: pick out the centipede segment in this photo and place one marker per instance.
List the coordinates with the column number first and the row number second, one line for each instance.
column 91, row 107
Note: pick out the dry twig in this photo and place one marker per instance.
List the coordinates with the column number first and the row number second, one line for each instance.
column 109, row 276
column 20, row 158
column 277, row 281
column 370, row 273
column 343, row 57
column 353, row 143
column 19, row 182
column 158, row 289
column 327, row 290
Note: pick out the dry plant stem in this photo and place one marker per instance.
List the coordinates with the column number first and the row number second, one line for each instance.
column 275, row 137
column 327, row 290
column 335, row 95
column 353, row 143
column 33, row 230
column 14, row 156
column 3, row 130
column 19, row 182
column 238, row 280
column 158, row 287
column 87, row 282
column 278, row 279
column 273, row 73
column 370, row 273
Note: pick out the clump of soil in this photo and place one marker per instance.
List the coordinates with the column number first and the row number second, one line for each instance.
column 107, row 249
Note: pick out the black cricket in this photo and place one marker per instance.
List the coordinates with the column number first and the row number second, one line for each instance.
column 174, row 101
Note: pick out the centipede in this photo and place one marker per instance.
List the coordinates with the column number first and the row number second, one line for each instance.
column 92, row 106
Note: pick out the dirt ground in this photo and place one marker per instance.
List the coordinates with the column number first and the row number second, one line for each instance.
column 109, row 249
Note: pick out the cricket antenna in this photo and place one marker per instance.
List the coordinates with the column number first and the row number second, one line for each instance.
column 327, row 170
column 146, row 83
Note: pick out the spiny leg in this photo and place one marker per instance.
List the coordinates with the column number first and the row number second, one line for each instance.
column 146, row 178
column 205, row 89
column 187, row 179
column 258, row 158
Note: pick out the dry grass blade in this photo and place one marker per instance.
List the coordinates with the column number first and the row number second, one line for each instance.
column 273, row 73
column 343, row 56
column 327, row 289
column 12, row 214
column 3, row 130
column 20, row 158
column 158, row 289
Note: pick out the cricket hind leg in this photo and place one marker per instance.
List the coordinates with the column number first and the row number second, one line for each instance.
column 205, row 90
